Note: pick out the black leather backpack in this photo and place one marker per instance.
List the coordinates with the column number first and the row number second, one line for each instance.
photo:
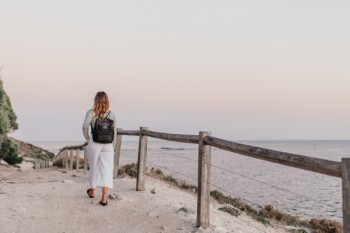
column 103, row 131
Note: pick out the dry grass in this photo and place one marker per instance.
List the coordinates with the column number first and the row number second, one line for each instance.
column 128, row 170
column 267, row 215
column 325, row 225
column 316, row 225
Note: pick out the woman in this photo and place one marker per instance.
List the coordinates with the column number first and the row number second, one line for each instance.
column 100, row 155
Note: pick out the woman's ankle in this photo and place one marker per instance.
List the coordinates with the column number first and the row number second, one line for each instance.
column 91, row 191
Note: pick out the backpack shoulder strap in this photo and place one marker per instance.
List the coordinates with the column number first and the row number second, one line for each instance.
column 93, row 120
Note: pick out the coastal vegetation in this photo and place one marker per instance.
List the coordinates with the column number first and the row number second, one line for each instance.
column 8, row 122
column 31, row 152
column 267, row 215
column 13, row 151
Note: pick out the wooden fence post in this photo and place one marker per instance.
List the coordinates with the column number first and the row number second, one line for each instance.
column 71, row 160
column 77, row 154
column 204, row 165
column 346, row 194
column 141, row 163
column 118, row 145
column 66, row 156
column 85, row 160
column 37, row 164
column 58, row 157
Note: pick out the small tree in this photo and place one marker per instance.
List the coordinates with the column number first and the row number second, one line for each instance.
column 9, row 152
column 8, row 118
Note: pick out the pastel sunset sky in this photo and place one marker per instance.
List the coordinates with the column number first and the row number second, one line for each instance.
column 244, row 70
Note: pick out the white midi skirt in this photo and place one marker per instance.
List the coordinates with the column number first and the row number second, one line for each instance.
column 101, row 163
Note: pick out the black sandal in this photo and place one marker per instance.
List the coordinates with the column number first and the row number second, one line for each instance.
column 104, row 203
column 88, row 193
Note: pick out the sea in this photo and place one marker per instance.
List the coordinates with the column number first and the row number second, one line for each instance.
column 258, row 182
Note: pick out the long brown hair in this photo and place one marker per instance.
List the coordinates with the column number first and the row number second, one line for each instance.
column 101, row 103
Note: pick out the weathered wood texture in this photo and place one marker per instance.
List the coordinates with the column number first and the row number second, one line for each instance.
column 346, row 194
column 327, row 167
column 128, row 132
column 74, row 147
column 77, row 154
column 66, row 158
column 71, row 159
column 322, row 166
column 117, row 149
column 141, row 162
column 58, row 157
column 37, row 164
column 172, row 137
column 85, row 160
column 204, row 172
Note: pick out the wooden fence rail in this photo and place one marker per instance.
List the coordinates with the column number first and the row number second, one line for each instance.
column 327, row 167
column 205, row 141
column 172, row 137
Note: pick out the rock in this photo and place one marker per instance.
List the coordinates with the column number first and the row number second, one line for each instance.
column 64, row 172
column 18, row 209
column 40, row 178
column 68, row 182
column 153, row 191
column 184, row 210
column 3, row 162
column 163, row 228
column 113, row 196
column 74, row 175
column 107, row 219
column 153, row 214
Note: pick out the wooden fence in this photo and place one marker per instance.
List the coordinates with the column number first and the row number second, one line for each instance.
column 205, row 141
column 40, row 164
column 67, row 159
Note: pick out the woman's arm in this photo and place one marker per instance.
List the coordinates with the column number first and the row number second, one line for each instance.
column 87, row 122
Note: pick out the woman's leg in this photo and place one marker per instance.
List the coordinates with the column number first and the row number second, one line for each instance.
column 106, row 165
column 104, row 194
column 94, row 151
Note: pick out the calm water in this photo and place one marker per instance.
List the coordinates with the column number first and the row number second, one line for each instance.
column 293, row 190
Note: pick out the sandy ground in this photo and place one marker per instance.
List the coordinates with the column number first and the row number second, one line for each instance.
column 55, row 200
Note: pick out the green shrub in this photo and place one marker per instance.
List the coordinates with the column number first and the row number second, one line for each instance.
column 230, row 210
column 7, row 115
column 4, row 122
column 9, row 152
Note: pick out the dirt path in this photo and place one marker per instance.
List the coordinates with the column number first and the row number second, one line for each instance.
column 49, row 200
